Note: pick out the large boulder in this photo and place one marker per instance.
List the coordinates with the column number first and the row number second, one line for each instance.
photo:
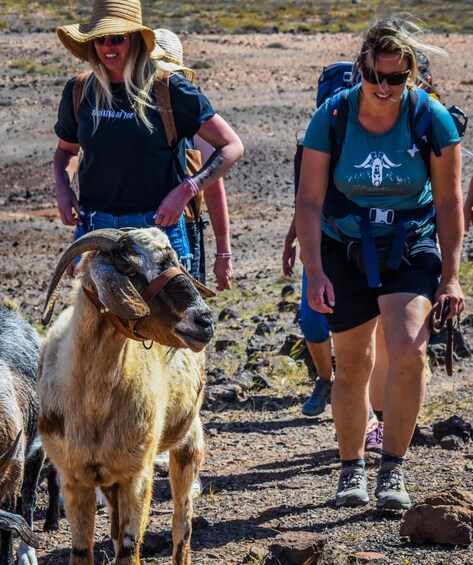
column 445, row 518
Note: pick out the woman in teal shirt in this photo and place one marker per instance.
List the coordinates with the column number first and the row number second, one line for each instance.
column 381, row 170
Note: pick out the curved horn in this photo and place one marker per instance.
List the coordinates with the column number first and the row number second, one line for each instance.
column 5, row 457
column 16, row 523
column 98, row 240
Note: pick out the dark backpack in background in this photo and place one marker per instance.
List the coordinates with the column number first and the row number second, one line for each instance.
column 333, row 79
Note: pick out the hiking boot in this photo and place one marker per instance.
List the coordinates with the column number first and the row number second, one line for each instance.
column 390, row 491
column 374, row 439
column 318, row 400
column 352, row 487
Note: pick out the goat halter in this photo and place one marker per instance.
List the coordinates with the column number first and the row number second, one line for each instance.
column 128, row 329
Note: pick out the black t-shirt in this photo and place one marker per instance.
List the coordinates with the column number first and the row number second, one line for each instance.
column 125, row 168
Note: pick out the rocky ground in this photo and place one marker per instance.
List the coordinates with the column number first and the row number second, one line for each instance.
column 268, row 469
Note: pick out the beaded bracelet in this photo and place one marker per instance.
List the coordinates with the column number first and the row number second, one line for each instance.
column 194, row 186
column 223, row 255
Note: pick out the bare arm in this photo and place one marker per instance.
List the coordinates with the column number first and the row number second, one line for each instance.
column 65, row 165
column 468, row 207
column 228, row 149
column 309, row 206
column 446, row 190
column 216, row 201
column 289, row 251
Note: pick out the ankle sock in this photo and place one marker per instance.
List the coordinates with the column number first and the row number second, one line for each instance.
column 379, row 415
column 389, row 458
column 354, row 462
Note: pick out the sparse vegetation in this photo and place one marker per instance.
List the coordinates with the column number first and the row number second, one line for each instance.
column 253, row 16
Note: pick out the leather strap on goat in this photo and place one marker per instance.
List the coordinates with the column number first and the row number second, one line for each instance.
column 128, row 329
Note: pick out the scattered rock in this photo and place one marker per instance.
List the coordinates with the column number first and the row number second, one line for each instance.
column 224, row 344
column 296, row 548
column 228, row 314
column 153, row 543
column 452, row 442
column 445, row 518
column 287, row 290
column 453, row 426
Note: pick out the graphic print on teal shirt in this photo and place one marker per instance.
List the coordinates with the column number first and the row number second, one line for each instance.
column 380, row 171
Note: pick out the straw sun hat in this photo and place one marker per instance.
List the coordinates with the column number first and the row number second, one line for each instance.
column 109, row 17
column 173, row 58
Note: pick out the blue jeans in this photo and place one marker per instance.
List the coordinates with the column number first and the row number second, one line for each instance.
column 177, row 233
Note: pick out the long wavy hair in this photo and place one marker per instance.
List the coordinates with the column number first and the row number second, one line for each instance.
column 138, row 77
column 396, row 34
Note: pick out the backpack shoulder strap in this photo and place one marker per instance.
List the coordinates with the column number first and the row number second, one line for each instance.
column 78, row 91
column 163, row 101
column 421, row 124
column 338, row 106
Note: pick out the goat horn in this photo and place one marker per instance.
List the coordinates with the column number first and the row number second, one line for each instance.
column 16, row 523
column 98, row 240
column 202, row 289
column 5, row 458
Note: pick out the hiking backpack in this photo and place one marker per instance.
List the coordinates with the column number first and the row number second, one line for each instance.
column 333, row 79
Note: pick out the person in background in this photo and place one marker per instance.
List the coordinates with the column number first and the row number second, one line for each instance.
column 315, row 329
column 128, row 175
column 214, row 195
column 378, row 125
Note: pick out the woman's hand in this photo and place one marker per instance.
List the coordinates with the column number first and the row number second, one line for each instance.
column 450, row 289
column 223, row 271
column 320, row 292
column 68, row 205
column 289, row 257
column 172, row 207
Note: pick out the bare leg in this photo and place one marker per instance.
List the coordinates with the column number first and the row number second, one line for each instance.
column 321, row 354
column 405, row 320
column 354, row 355
column 380, row 369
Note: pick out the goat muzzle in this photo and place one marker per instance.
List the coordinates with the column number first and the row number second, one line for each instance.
column 154, row 288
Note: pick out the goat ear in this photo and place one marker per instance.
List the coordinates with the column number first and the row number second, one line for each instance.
column 204, row 291
column 116, row 292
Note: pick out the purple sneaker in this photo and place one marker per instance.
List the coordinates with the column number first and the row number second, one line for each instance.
column 374, row 439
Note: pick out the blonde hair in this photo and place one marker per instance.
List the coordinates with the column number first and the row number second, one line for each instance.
column 396, row 34
column 138, row 74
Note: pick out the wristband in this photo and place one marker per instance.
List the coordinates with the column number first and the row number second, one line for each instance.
column 194, row 186
column 223, row 255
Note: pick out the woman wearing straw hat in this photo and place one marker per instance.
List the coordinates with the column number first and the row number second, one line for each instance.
column 215, row 198
column 128, row 174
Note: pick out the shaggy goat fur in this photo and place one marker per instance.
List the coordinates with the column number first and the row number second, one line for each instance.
column 108, row 404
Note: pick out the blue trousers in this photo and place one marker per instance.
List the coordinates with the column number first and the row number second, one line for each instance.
column 177, row 233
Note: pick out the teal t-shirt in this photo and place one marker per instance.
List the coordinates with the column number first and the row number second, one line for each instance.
column 380, row 171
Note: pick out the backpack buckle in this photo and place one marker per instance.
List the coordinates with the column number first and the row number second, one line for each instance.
column 380, row 216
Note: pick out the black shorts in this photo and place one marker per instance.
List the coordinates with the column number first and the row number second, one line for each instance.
column 357, row 303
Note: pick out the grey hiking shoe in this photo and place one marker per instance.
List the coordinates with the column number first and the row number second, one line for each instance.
column 352, row 487
column 390, row 491
column 318, row 400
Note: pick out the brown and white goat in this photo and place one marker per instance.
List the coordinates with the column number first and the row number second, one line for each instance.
column 107, row 403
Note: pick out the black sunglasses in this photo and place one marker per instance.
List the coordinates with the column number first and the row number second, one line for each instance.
column 114, row 39
column 393, row 79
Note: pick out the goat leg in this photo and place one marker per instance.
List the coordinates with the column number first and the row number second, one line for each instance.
column 184, row 465
column 134, row 499
column 79, row 504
